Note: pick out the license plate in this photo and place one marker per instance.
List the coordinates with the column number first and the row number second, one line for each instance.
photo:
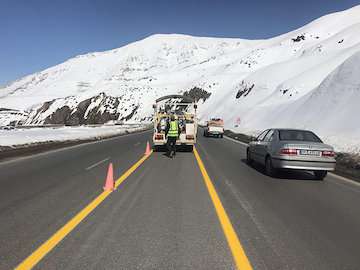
column 310, row 152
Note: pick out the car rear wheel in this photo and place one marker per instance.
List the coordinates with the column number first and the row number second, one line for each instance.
column 320, row 175
column 269, row 169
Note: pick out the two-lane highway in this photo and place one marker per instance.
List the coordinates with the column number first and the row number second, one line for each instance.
column 163, row 216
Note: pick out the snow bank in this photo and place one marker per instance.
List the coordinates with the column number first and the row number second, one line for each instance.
column 332, row 109
column 58, row 134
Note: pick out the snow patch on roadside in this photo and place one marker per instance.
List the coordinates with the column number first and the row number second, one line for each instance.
column 17, row 137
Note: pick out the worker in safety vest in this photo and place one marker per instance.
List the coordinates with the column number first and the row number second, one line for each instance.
column 172, row 133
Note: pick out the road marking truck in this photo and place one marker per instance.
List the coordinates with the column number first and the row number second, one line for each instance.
column 184, row 110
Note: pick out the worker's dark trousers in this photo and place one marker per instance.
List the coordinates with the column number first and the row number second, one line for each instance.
column 171, row 145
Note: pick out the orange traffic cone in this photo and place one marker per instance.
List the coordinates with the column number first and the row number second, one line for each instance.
column 147, row 151
column 109, row 183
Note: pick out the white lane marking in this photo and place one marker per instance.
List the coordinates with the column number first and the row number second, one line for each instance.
column 97, row 163
column 341, row 178
column 235, row 141
column 337, row 177
column 136, row 144
column 343, row 184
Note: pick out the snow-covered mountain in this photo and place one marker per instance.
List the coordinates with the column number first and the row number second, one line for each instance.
column 307, row 78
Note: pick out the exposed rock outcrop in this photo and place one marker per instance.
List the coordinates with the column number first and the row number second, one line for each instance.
column 244, row 89
column 197, row 94
column 96, row 110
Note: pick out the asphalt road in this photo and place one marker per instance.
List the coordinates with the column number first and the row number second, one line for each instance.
column 162, row 216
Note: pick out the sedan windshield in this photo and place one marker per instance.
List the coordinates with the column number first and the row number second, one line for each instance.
column 298, row 135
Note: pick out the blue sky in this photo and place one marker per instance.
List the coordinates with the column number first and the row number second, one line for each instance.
column 38, row 34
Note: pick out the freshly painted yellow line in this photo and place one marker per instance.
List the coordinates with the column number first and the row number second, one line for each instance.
column 131, row 170
column 47, row 246
column 240, row 258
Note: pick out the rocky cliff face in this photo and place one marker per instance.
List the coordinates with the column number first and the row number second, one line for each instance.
column 99, row 109
column 96, row 110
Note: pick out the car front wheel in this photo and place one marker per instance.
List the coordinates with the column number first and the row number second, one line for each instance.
column 320, row 175
column 248, row 157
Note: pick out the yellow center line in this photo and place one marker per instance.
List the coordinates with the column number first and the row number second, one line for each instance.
column 240, row 258
column 47, row 246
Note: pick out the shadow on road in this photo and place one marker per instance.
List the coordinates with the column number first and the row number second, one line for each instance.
column 212, row 138
column 283, row 174
column 179, row 149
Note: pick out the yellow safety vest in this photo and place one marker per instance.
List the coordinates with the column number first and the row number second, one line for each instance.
column 173, row 131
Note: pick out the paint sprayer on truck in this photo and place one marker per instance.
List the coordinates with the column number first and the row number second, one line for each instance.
column 184, row 110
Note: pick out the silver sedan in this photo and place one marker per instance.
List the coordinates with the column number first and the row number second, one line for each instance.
column 292, row 149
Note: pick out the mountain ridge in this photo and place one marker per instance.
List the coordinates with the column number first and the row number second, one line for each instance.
column 280, row 71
